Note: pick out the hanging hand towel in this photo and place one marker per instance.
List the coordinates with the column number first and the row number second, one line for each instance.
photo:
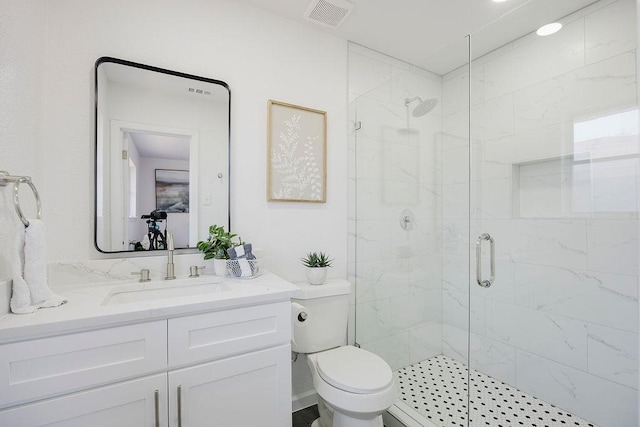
column 35, row 268
column 30, row 288
column 20, row 295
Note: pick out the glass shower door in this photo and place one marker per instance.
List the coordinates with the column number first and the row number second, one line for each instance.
column 409, row 228
column 554, row 210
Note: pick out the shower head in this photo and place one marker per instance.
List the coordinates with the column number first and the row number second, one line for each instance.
column 423, row 107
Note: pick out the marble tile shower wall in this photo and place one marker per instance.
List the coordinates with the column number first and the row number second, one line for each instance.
column 561, row 320
column 395, row 165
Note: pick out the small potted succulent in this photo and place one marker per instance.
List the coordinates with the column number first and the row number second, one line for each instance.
column 216, row 246
column 316, row 264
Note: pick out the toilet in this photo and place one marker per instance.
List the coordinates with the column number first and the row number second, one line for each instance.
column 354, row 386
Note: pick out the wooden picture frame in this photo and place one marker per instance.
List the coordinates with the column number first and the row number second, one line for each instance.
column 296, row 153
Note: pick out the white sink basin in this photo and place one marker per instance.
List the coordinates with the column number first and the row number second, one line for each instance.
column 165, row 289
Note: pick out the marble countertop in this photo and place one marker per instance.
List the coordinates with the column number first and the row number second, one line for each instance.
column 88, row 308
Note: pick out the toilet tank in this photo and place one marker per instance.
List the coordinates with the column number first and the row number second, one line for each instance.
column 319, row 315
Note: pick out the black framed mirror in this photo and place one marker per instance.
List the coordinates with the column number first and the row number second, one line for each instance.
column 161, row 156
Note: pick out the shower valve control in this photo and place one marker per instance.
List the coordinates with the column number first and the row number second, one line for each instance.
column 407, row 219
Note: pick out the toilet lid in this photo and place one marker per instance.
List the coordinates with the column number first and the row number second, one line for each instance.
column 354, row 370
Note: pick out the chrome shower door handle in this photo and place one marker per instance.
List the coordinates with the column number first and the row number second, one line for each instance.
column 492, row 248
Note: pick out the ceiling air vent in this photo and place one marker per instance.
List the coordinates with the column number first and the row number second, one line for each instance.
column 329, row 13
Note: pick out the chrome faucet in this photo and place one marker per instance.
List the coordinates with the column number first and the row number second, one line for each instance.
column 170, row 273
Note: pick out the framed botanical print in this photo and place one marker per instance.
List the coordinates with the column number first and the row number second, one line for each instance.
column 296, row 156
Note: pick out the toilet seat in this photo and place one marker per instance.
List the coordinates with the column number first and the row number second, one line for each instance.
column 354, row 370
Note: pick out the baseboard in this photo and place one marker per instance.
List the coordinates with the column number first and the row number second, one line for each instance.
column 304, row 400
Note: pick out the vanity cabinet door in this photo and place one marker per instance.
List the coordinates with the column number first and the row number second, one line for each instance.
column 253, row 389
column 129, row 403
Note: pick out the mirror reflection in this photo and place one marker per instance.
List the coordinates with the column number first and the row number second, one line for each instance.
column 162, row 156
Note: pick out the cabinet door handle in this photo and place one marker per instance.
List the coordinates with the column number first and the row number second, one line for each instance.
column 156, row 402
column 492, row 248
column 179, row 406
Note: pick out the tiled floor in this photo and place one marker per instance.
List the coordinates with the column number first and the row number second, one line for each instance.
column 437, row 389
column 304, row 417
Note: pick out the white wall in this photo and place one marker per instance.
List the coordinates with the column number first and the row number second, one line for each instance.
column 259, row 55
column 46, row 108
column 22, row 35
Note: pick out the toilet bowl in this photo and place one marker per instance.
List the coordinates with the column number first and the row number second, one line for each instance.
column 354, row 386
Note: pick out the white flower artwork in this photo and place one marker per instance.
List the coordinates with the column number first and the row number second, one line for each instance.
column 296, row 153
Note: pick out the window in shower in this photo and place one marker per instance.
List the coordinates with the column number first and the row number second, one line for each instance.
column 599, row 178
column 605, row 169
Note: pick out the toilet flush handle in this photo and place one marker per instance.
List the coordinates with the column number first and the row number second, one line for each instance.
column 299, row 315
column 299, row 312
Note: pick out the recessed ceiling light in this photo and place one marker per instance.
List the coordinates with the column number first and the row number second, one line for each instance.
column 549, row 29
column 499, row 1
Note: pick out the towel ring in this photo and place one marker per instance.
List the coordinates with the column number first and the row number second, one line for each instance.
column 17, row 180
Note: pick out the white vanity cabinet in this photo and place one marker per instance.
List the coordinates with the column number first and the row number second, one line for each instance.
column 245, row 390
column 249, row 380
column 222, row 368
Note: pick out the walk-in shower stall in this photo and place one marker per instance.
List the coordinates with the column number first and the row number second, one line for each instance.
column 494, row 222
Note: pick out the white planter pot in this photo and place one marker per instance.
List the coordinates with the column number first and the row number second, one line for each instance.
column 316, row 275
column 220, row 267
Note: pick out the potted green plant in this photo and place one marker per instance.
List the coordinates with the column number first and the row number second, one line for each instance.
column 216, row 246
column 316, row 264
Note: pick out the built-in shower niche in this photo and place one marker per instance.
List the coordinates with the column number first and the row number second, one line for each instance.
column 576, row 186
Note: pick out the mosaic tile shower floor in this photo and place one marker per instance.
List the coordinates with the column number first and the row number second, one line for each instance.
column 437, row 389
